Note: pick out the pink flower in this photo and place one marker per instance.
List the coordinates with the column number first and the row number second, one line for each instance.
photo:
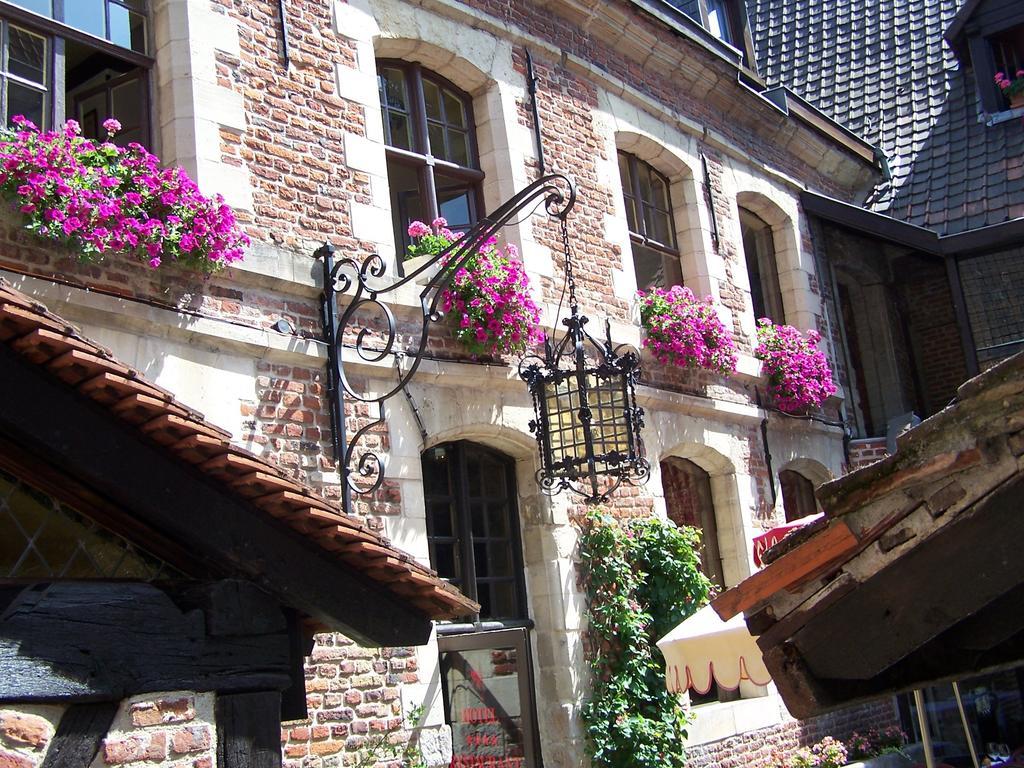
column 111, row 126
column 439, row 223
column 418, row 229
column 72, row 128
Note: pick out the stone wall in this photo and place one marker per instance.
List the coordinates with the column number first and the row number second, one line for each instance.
column 759, row 748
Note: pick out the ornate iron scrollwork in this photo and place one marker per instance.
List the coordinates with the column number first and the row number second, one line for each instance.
column 368, row 332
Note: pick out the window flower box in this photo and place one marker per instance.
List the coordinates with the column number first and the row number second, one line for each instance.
column 101, row 199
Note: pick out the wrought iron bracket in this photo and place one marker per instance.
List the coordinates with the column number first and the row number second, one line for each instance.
column 360, row 327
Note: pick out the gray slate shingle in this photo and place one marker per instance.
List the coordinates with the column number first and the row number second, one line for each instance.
column 882, row 69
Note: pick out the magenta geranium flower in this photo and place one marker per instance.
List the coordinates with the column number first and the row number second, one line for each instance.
column 489, row 296
column 102, row 198
column 798, row 373
column 686, row 331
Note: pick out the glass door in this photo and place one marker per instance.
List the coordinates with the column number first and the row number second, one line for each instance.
column 489, row 700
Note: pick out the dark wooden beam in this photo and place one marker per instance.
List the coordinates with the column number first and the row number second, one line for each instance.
column 249, row 730
column 53, row 423
column 953, row 573
column 870, row 223
column 104, row 641
column 79, row 735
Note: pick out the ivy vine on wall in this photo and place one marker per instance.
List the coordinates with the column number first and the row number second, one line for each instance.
column 642, row 577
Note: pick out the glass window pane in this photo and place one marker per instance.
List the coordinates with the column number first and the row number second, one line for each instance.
column 454, row 111
column 444, row 560
column 439, row 523
column 662, row 230
column 494, row 480
column 127, row 28
column 659, row 193
column 26, row 102
column 500, row 558
column 435, row 473
column 392, row 89
column 458, row 148
column 432, row 101
column 43, row 7
column 26, row 56
column 480, row 560
column 455, row 204
column 127, row 103
column 649, row 267
column 646, row 194
column 478, row 522
column 497, row 521
column 86, row 15
column 406, row 200
column 435, row 137
column 503, row 599
column 399, row 130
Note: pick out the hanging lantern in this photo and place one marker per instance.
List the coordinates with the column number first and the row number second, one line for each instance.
column 586, row 419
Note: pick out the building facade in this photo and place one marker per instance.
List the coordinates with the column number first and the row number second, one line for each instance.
column 341, row 122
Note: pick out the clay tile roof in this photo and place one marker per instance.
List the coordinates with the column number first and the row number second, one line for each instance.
column 51, row 343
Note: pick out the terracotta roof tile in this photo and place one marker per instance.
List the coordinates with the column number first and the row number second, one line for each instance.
column 46, row 340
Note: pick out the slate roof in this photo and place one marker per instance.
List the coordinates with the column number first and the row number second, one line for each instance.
column 882, row 69
column 50, row 342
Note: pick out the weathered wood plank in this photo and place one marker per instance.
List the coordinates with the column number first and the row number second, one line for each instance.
column 79, row 735
column 88, row 641
column 249, row 730
column 829, row 546
column 954, row 573
column 57, row 425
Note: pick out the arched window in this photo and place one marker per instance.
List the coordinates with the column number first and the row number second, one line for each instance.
column 762, row 269
column 688, row 499
column 433, row 164
column 651, row 228
column 797, row 495
column 86, row 60
column 473, row 526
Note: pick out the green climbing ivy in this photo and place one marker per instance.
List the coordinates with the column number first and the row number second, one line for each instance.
column 642, row 577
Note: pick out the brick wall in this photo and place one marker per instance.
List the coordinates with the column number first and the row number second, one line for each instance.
column 25, row 734
column 714, row 108
column 173, row 729
column 354, row 700
column 934, row 335
column 760, row 748
column 866, row 451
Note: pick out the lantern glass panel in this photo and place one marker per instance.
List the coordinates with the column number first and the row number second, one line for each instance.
column 610, row 424
column 562, row 402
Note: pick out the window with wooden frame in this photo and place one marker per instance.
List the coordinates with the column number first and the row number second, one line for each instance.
column 762, row 267
column 85, row 60
column 797, row 495
column 988, row 40
column 433, row 164
column 727, row 20
column 652, row 229
column 473, row 526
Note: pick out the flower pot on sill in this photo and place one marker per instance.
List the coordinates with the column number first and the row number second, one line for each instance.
column 411, row 265
column 1017, row 100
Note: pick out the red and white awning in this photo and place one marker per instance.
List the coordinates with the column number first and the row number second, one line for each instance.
column 770, row 538
column 705, row 648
